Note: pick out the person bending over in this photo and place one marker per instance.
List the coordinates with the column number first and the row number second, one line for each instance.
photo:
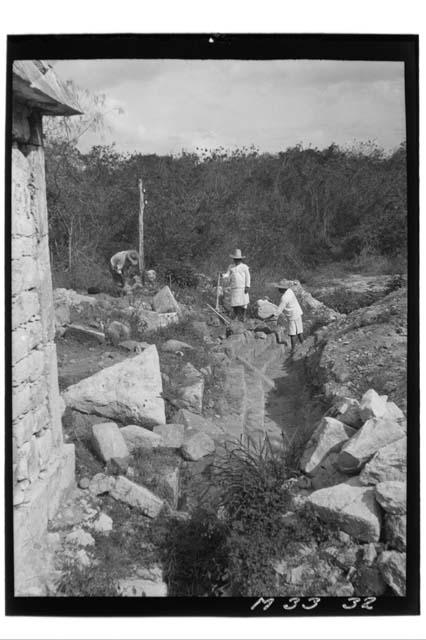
column 292, row 311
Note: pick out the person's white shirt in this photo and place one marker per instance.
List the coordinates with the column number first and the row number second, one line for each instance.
column 239, row 279
column 118, row 260
column 289, row 306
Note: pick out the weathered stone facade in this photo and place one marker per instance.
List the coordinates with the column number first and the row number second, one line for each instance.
column 43, row 466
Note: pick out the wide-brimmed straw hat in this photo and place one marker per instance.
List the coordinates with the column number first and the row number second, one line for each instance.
column 133, row 256
column 237, row 255
column 282, row 284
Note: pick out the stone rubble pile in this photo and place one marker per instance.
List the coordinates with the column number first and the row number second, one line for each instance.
column 355, row 463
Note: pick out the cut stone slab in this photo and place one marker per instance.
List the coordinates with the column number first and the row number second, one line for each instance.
column 327, row 438
column 129, row 391
column 140, row 438
column 327, row 474
column 164, row 301
column 351, row 506
column 171, row 346
column 192, row 420
column 396, row 531
column 372, row 405
column 108, row 441
column 170, row 434
column 392, row 565
column 197, row 445
column 389, row 463
column 135, row 495
column 375, row 434
column 392, row 496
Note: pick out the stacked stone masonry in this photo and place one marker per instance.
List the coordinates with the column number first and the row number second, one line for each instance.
column 43, row 466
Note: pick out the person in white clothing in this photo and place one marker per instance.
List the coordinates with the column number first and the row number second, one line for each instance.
column 238, row 274
column 123, row 265
column 291, row 309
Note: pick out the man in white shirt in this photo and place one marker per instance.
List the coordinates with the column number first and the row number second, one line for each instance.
column 239, row 277
column 292, row 311
column 122, row 265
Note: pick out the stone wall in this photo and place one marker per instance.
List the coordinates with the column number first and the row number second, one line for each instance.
column 43, row 466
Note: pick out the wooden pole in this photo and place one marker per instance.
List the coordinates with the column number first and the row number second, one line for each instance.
column 141, row 209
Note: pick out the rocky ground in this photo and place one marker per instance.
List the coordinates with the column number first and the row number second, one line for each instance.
column 155, row 394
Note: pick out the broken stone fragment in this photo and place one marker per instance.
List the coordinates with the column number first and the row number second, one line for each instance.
column 392, row 565
column 396, row 531
column 192, row 420
column 347, row 410
column 392, row 496
column 197, row 445
column 135, row 495
column 171, row 346
column 393, row 412
column 101, row 483
column 375, row 434
column 140, row 438
column 129, row 391
column 108, row 441
column 103, row 524
column 351, row 506
column 117, row 332
column 80, row 537
column 171, row 435
column 327, row 438
column 328, row 473
column 372, row 405
column 389, row 463
column 164, row 301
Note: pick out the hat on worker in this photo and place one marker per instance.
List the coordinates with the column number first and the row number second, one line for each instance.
column 282, row 284
column 237, row 255
column 133, row 256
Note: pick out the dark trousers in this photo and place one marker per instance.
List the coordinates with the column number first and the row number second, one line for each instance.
column 239, row 313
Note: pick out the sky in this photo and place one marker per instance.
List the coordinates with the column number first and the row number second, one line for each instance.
column 166, row 106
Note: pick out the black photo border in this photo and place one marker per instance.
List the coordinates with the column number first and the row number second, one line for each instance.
column 246, row 47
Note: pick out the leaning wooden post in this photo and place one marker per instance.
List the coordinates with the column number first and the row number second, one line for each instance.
column 141, row 208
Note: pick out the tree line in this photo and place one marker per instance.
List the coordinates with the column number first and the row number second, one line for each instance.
column 294, row 209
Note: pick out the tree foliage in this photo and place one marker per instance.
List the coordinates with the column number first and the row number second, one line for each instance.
column 299, row 207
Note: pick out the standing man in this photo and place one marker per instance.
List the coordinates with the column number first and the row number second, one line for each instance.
column 291, row 309
column 239, row 276
column 122, row 265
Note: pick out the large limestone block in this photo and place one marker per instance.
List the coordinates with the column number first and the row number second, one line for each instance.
column 347, row 410
column 25, row 307
column 197, row 445
column 151, row 321
column 191, row 390
column 351, row 506
column 265, row 309
column 24, row 274
column 28, row 397
column 193, row 421
column 25, row 338
column 164, row 301
column 129, row 391
column 389, row 463
column 171, row 435
column 137, row 496
column 139, row 588
column 393, row 412
column 392, row 496
column 327, row 438
column 396, row 531
column 29, row 369
column 328, row 473
column 108, row 441
column 375, row 434
column 140, row 438
column 372, row 405
column 392, row 565
column 171, row 346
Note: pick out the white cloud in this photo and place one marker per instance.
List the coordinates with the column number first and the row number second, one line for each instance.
column 175, row 104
